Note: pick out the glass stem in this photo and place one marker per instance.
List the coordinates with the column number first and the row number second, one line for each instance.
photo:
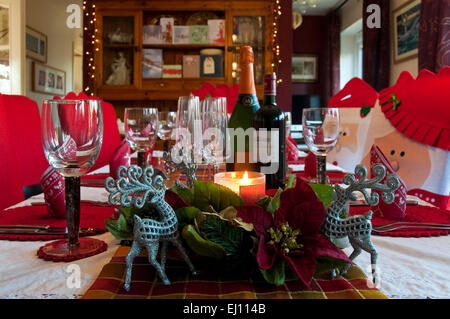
column 73, row 210
column 141, row 160
column 321, row 169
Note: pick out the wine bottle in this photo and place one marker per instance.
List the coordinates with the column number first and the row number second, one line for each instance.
column 270, row 124
column 243, row 158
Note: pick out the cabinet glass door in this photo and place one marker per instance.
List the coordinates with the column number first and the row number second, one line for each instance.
column 249, row 30
column 118, row 50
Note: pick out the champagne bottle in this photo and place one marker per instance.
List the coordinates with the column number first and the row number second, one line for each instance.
column 269, row 119
column 244, row 158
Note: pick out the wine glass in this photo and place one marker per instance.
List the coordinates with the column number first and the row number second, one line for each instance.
column 72, row 134
column 321, row 132
column 288, row 117
column 188, row 133
column 141, row 128
column 214, row 125
column 167, row 121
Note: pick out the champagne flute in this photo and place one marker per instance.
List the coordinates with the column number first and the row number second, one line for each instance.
column 72, row 134
column 214, row 120
column 141, row 128
column 321, row 132
column 188, row 132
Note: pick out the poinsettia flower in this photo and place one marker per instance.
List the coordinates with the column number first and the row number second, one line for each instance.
column 292, row 233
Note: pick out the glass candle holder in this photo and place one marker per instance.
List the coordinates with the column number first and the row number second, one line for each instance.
column 250, row 186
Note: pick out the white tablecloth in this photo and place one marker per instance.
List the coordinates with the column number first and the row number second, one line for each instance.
column 409, row 267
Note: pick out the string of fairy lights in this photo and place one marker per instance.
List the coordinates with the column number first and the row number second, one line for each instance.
column 275, row 42
column 91, row 43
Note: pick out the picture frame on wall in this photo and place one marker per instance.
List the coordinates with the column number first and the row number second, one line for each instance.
column 36, row 45
column 405, row 22
column 305, row 68
column 48, row 80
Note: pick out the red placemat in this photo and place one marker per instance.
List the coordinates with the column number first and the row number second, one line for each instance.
column 91, row 216
column 414, row 213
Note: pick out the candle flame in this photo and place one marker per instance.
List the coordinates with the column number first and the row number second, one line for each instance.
column 245, row 180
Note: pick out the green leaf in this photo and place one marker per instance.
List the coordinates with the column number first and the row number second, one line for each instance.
column 120, row 228
column 186, row 194
column 365, row 110
column 200, row 245
column 290, row 182
column 275, row 275
column 221, row 232
column 324, row 193
column 326, row 264
column 186, row 215
column 218, row 196
column 274, row 202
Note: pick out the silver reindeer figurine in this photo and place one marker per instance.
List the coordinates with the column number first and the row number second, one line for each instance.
column 133, row 187
column 358, row 228
column 184, row 167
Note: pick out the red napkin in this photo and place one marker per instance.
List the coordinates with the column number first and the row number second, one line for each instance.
column 310, row 165
column 291, row 149
column 53, row 188
column 396, row 210
column 120, row 157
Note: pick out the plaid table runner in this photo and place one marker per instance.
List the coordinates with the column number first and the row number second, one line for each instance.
column 146, row 284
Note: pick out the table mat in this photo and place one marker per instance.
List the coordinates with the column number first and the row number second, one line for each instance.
column 146, row 285
column 91, row 216
column 414, row 213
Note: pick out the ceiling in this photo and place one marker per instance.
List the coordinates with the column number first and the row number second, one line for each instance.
column 322, row 7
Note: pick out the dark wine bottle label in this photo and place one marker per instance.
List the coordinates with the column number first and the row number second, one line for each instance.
column 270, row 85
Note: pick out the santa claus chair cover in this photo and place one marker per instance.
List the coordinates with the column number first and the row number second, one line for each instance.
column 410, row 124
column 355, row 102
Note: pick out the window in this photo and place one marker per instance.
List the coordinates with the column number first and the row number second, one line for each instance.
column 351, row 53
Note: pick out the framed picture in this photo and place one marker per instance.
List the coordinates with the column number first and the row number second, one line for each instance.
column 305, row 68
column 405, row 21
column 48, row 80
column 36, row 45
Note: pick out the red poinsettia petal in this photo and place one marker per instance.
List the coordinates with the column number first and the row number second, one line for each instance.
column 308, row 217
column 325, row 248
column 174, row 200
column 290, row 198
column 257, row 216
column 266, row 255
column 304, row 266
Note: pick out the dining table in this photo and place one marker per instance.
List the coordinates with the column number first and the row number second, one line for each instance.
column 409, row 268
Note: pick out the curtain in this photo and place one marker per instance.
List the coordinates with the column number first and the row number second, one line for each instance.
column 331, row 63
column 434, row 35
column 377, row 47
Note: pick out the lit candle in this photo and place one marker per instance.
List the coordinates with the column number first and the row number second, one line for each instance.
column 250, row 186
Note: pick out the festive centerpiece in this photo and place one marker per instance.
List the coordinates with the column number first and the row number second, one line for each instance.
column 285, row 236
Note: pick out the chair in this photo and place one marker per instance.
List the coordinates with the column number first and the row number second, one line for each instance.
column 22, row 156
column 111, row 136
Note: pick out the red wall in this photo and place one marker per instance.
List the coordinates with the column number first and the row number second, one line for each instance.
column 309, row 38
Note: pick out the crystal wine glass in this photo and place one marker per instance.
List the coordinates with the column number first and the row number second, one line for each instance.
column 72, row 134
column 167, row 121
column 141, row 128
column 214, row 125
column 321, row 132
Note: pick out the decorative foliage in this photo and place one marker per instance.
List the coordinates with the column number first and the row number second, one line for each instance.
column 291, row 235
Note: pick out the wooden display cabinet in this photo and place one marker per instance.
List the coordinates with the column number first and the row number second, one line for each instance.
column 120, row 30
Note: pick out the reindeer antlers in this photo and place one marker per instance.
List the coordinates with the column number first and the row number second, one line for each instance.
column 133, row 186
column 387, row 190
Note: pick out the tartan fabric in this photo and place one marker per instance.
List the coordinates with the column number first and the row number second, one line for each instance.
column 146, row 284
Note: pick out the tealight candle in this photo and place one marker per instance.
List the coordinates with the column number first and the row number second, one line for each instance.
column 250, row 186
